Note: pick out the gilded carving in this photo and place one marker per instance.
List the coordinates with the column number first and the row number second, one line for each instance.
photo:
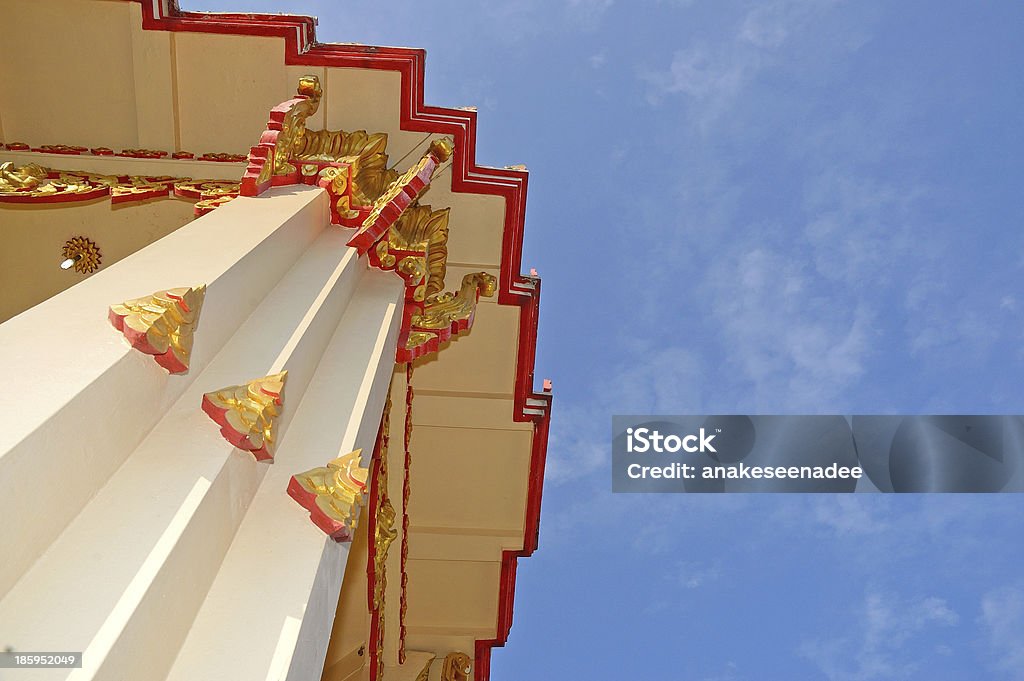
column 406, row 495
column 208, row 194
column 289, row 153
column 247, row 414
column 457, row 667
column 384, row 533
column 36, row 183
column 420, row 228
column 390, row 205
column 25, row 177
column 364, row 152
column 162, row 324
column 32, row 183
column 443, row 310
column 446, row 314
column 333, row 494
column 293, row 123
column 84, row 253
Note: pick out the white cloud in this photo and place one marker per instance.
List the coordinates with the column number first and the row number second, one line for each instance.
column 713, row 73
column 694, row 575
column 797, row 347
column 879, row 651
column 1002, row 614
column 847, row 515
column 702, row 74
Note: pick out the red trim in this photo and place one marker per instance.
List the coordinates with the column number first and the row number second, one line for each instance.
column 301, row 48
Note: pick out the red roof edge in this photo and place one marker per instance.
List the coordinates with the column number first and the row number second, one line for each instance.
column 301, row 48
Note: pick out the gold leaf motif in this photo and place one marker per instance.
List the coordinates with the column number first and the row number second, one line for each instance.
column 441, row 310
column 333, row 494
column 420, row 228
column 457, row 667
column 162, row 324
column 27, row 177
column 364, row 152
column 293, row 127
column 248, row 413
column 84, row 252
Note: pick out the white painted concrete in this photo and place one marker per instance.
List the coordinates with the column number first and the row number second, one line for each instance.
column 280, row 566
column 77, row 400
column 125, row 579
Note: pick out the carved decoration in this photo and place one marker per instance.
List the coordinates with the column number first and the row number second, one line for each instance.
column 32, row 182
column 142, row 153
column 223, row 158
column 364, row 153
column 390, row 205
column 247, row 414
column 418, row 241
column 457, row 667
column 61, row 149
column 383, row 533
column 406, row 495
column 71, row 150
column 270, row 161
column 353, row 166
column 162, row 324
column 84, row 252
column 333, row 495
column 208, row 194
column 35, row 184
column 445, row 315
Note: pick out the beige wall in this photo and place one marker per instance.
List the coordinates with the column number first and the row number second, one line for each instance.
column 33, row 236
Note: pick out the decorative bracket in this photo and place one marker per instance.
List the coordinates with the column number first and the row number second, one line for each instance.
column 445, row 315
column 247, row 414
column 457, row 667
column 390, row 205
column 333, row 494
column 269, row 161
column 162, row 324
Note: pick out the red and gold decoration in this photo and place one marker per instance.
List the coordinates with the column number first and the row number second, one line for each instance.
column 247, row 414
column 35, row 184
column 445, row 315
column 208, row 194
column 351, row 165
column 457, row 667
column 406, row 494
column 73, row 150
column 401, row 194
column 162, row 324
column 332, row 494
column 83, row 253
column 382, row 530
column 394, row 230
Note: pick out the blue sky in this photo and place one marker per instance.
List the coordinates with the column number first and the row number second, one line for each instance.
column 789, row 206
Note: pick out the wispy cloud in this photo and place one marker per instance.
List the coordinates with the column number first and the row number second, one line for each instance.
column 878, row 651
column 782, row 335
column 1002, row 615
column 693, row 575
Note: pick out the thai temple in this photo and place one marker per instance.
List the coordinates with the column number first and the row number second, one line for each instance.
column 268, row 409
